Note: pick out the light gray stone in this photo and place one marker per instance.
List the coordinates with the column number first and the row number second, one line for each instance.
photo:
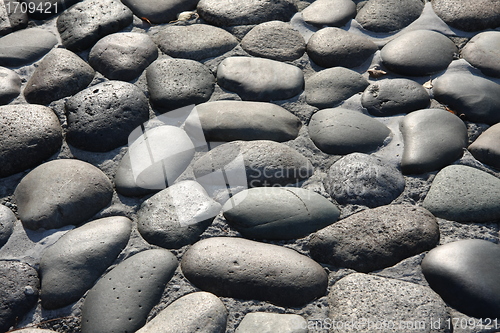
column 486, row 148
column 160, row 11
column 7, row 221
column 334, row 13
column 10, row 85
column 389, row 15
column 25, row 46
column 482, row 50
column 264, row 322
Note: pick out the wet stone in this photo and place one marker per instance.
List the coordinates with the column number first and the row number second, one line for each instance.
column 7, row 221
column 264, row 322
column 123, row 56
column 361, row 179
column 240, row 268
column 10, row 85
column 60, row 74
column 330, row 47
column 330, row 87
column 128, row 293
column 389, row 15
column 418, row 53
column 82, row 25
column 25, row 46
column 376, row 238
column 274, row 40
column 196, row 42
column 464, row 194
column 101, row 117
column 13, row 18
column 341, row 131
column 61, row 192
column 486, row 148
column 482, row 50
column 35, row 134
column 160, row 11
column 468, row 15
column 335, row 13
column 433, row 139
column 74, row 263
column 259, row 79
column 394, row 96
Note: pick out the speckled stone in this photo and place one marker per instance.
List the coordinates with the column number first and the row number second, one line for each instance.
column 486, row 148
column 159, row 11
column 7, row 221
column 10, row 85
column 13, row 18
column 470, row 15
column 267, row 322
column 25, row 46
column 389, row 15
column 482, row 50
column 333, row 13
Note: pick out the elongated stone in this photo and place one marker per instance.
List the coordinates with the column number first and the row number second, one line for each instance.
column 486, row 148
column 468, row 15
column 266, row 322
column 25, row 46
column 334, row 13
column 159, row 11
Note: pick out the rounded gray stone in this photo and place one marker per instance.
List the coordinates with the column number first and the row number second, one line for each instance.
column 76, row 261
column 122, row 299
column 418, row 53
column 482, row 50
column 25, row 46
column 433, row 139
column 84, row 23
column 361, row 179
column 469, row 15
column 279, row 212
column 486, row 148
column 230, row 12
column 376, row 238
column 330, row 87
column 274, row 40
column 341, row 131
column 240, row 268
column 7, row 221
column 237, row 120
column 60, row 74
column 394, row 96
column 267, row 322
column 123, row 56
column 464, row 194
column 35, row 135
column 10, row 85
column 190, row 313
column 196, row 42
column 334, row 13
column 159, row 11
column 101, row 117
column 331, row 47
column 176, row 216
column 13, row 18
column 259, row 79
column 174, row 83
column 389, row 15
column 61, row 192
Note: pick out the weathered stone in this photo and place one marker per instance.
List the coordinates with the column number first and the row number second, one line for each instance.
column 469, row 15
column 334, row 13
column 482, row 50
column 25, row 46
column 486, row 148
column 389, row 15
column 10, row 85
column 13, row 17
column 266, row 322
column 160, row 11
column 7, row 221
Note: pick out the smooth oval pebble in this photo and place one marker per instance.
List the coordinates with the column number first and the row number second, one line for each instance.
column 486, row 148
column 482, row 50
column 418, row 53
column 433, row 139
column 159, row 11
column 464, row 194
column 466, row 274
column 468, row 15
column 334, row 13
column 267, row 322
column 188, row 313
column 25, row 46
column 388, row 15
column 240, row 268
column 28, row 142
column 122, row 299
column 7, row 221
column 330, row 47
column 341, row 131
column 61, row 192
column 237, row 120
column 376, row 238
column 10, row 85
column 259, row 79
column 279, row 212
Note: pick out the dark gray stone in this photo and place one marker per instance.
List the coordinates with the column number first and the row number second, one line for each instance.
column 482, row 50
column 464, row 194
column 361, row 179
column 259, row 79
column 341, row 131
column 389, row 15
column 62, row 192
column 418, row 53
column 190, row 313
column 330, row 87
column 466, row 274
column 330, row 47
column 376, row 238
column 237, row 120
column 174, row 83
column 7, row 221
column 13, row 18
column 10, row 85
column 230, row 12
column 468, row 15
column 196, row 42
column 123, row 56
column 334, row 13
column 240, row 268
column 101, row 117
column 472, row 97
column 34, row 135
column 60, row 74
column 390, row 97
column 274, row 40
column 486, row 148
column 433, row 139
column 74, row 263
column 266, row 322
column 279, row 212
column 159, row 11
column 122, row 299
column 19, row 286
column 82, row 25
column 25, row 46
column 373, row 303
column 50, row 8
